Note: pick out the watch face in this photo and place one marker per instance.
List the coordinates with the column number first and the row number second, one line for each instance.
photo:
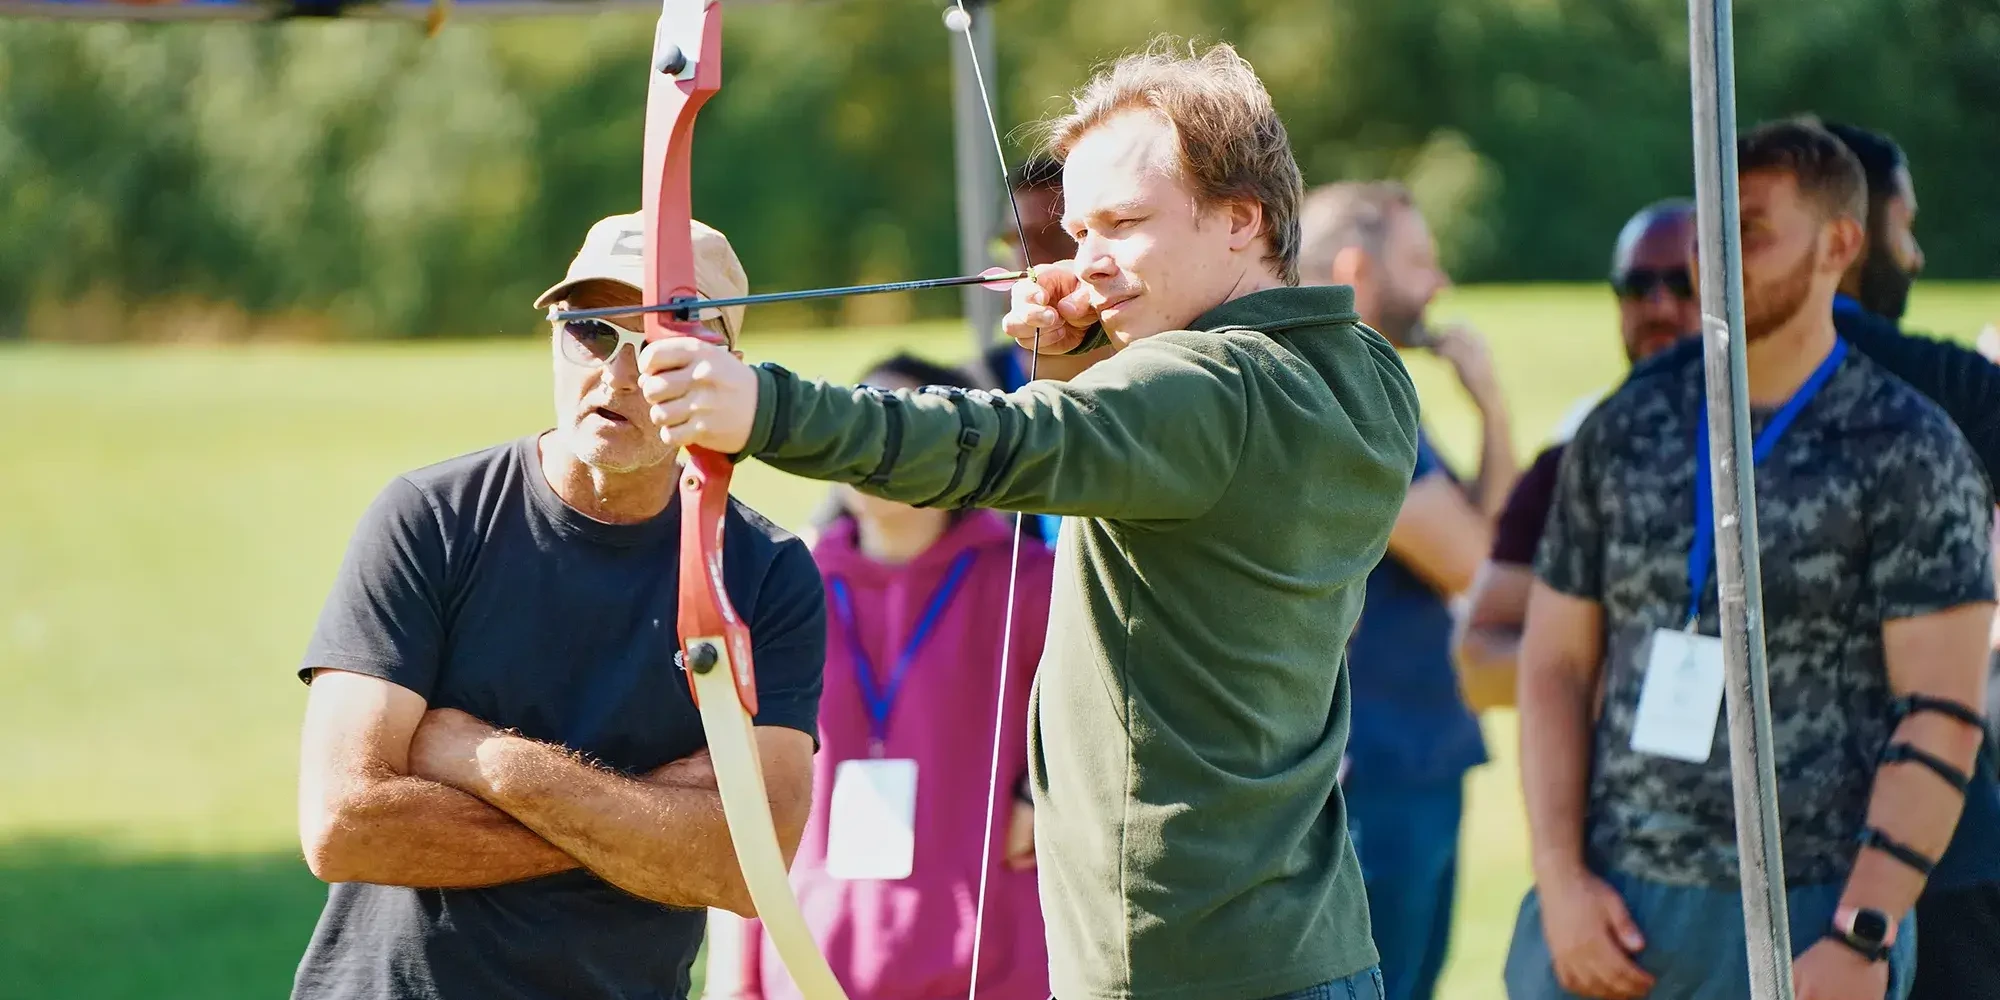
column 1870, row 926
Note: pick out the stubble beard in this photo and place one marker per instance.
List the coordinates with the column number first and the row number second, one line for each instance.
column 610, row 457
column 1777, row 302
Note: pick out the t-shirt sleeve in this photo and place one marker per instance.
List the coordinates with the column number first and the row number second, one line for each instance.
column 788, row 641
column 1961, row 381
column 1519, row 531
column 385, row 614
column 1928, row 527
column 1570, row 557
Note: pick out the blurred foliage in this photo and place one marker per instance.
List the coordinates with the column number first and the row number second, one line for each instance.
column 344, row 178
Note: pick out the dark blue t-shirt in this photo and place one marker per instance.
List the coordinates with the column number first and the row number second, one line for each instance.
column 1410, row 725
column 471, row 583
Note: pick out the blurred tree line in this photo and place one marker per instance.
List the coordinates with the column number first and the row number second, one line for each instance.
column 355, row 178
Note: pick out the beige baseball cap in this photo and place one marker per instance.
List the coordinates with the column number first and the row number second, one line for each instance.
column 614, row 250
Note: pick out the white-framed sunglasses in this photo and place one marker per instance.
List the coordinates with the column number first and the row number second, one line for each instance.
column 593, row 342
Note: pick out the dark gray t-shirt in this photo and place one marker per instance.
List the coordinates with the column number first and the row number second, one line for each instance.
column 471, row 583
column 1870, row 508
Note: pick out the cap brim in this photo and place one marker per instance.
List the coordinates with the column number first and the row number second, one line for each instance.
column 560, row 288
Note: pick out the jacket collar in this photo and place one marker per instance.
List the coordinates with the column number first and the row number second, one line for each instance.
column 1275, row 309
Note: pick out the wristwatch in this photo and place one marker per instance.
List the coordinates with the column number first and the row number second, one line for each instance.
column 1869, row 932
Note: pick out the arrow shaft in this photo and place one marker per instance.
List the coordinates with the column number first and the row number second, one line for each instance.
column 688, row 307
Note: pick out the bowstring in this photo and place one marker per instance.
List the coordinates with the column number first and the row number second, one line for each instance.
column 1014, row 559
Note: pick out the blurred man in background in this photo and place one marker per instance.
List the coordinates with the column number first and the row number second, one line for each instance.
column 1874, row 505
column 1958, row 915
column 1652, row 295
column 1413, row 738
column 1037, row 188
column 1656, row 310
column 1875, row 290
column 1879, row 281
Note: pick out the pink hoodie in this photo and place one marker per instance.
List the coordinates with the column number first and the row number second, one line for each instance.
column 912, row 939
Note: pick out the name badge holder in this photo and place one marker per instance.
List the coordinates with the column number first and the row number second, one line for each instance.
column 871, row 821
column 1680, row 698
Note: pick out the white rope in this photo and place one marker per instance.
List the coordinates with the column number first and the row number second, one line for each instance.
column 959, row 19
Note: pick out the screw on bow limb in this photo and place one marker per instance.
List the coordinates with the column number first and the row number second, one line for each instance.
column 671, row 61
column 702, row 657
column 684, row 309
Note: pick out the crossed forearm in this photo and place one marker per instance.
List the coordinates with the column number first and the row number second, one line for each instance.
column 412, row 832
column 659, row 839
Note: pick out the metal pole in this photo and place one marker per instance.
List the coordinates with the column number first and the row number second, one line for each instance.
column 979, row 192
column 1748, row 696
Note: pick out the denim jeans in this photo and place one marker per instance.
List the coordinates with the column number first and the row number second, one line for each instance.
column 1407, row 840
column 1363, row 985
column 1694, row 941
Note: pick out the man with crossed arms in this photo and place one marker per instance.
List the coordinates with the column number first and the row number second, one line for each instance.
column 504, row 776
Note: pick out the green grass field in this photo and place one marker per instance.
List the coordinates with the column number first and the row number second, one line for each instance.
column 173, row 516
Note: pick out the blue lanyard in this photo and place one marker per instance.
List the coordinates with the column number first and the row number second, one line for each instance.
column 1701, row 556
column 879, row 701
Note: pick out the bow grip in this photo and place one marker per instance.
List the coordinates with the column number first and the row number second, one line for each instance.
column 712, row 635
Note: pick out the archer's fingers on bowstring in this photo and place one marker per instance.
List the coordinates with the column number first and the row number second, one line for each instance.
column 1036, row 324
column 1047, row 284
column 1077, row 309
column 1026, row 321
column 1029, row 303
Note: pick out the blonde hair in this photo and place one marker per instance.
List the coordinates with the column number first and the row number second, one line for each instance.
column 1232, row 143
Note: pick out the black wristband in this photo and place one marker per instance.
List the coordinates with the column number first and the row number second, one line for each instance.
column 1871, row 954
column 892, row 439
column 1911, row 704
column 1872, row 837
column 1898, row 753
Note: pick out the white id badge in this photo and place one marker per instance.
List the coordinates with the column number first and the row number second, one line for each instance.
column 1681, row 697
column 871, row 825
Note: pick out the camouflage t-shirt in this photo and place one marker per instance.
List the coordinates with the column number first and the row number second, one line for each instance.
column 1869, row 508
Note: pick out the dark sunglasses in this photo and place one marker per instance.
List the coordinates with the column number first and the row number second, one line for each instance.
column 1639, row 282
column 594, row 342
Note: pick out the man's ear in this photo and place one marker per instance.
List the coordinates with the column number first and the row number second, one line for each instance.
column 1845, row 239
column 734, row 353
column 1350, row 266
column 1246, row 222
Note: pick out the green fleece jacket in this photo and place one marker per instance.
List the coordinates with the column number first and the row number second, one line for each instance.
column 1230, row 486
